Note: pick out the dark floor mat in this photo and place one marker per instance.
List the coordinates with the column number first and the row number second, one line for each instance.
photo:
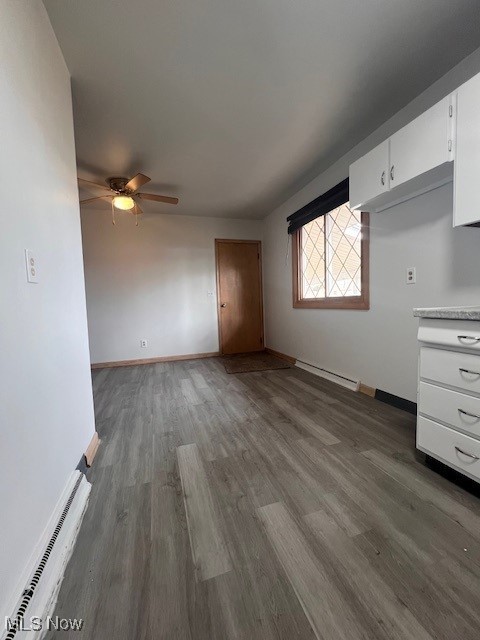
column 246, row 362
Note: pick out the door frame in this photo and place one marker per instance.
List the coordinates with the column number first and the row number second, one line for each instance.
column 219, row 241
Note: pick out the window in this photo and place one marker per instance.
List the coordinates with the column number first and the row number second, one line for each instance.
column 330, row 261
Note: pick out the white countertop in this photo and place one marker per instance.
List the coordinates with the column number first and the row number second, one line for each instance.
column 449, row 313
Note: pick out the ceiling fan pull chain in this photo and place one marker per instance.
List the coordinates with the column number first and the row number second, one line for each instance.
column 113, row 213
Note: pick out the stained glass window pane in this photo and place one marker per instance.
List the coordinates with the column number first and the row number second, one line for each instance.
column 313, row 259
column 331, row 255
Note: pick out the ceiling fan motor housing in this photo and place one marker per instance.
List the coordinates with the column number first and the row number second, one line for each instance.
column 118, row 184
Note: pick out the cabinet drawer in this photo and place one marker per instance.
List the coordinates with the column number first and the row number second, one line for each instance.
column 459, row 334
column 451, row 447
column 454, row 368
column 456, row 409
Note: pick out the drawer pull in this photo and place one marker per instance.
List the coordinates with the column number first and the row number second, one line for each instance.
column 470, row 415
column 473, row 373
column 469, row 455
column 474, row 338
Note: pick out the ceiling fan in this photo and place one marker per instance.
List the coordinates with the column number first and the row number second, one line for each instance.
column 124, row 193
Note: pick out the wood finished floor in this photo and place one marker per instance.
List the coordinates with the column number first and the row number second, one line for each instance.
column 265, row 505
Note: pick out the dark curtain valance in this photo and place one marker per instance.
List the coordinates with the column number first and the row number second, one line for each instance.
column 331, row 199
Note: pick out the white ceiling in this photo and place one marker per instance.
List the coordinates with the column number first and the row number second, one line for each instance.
column 233, row 105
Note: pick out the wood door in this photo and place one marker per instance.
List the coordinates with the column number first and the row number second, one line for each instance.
column 239, row 295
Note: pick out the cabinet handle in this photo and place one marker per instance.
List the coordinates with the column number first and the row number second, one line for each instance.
column 469, row 455
column 474, row 338
column 382, row 179
column 473, row 373
column 392, row 172
column 470, row 415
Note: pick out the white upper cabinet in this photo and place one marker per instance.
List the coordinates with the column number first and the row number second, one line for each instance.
column 422, row 145
column 440, row 145
column 416, row 159
column 466, row 208
column 369, row 176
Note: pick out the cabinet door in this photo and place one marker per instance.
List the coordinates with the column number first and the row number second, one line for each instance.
column 466, row 208
column 369, row 176
column 422, row 145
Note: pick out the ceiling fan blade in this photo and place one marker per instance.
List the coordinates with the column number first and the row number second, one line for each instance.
column 137, row 181
column 97, row 198
column 92, row 184
column 153, row 196
column 137, row 210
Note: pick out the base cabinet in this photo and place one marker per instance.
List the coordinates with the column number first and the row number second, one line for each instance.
column 448, row 422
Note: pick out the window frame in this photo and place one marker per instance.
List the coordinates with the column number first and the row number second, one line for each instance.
column 361, row 303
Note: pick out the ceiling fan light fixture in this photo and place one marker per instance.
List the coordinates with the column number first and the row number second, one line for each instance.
column 125, row 203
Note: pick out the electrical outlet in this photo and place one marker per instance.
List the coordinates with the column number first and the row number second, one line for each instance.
column 31, row 265
column 143, row 344
column 411, row 275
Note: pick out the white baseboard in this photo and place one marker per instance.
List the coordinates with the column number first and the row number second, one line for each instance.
column 45, row 595
column 329, row 375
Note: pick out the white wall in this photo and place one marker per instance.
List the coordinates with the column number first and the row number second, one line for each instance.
column 378, row 346
column 152, row 282
column 46, row 408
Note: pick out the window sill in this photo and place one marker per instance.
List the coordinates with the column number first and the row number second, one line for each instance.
column 358, row 303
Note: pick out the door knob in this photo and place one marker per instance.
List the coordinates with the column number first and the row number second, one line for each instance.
column 224, row 304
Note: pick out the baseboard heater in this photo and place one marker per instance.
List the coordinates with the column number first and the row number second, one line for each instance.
column 16, row 623
column 354, row 385
column 329, row 375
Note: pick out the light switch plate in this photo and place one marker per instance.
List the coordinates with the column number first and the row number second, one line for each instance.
column 411, row 275
column 31, row 265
